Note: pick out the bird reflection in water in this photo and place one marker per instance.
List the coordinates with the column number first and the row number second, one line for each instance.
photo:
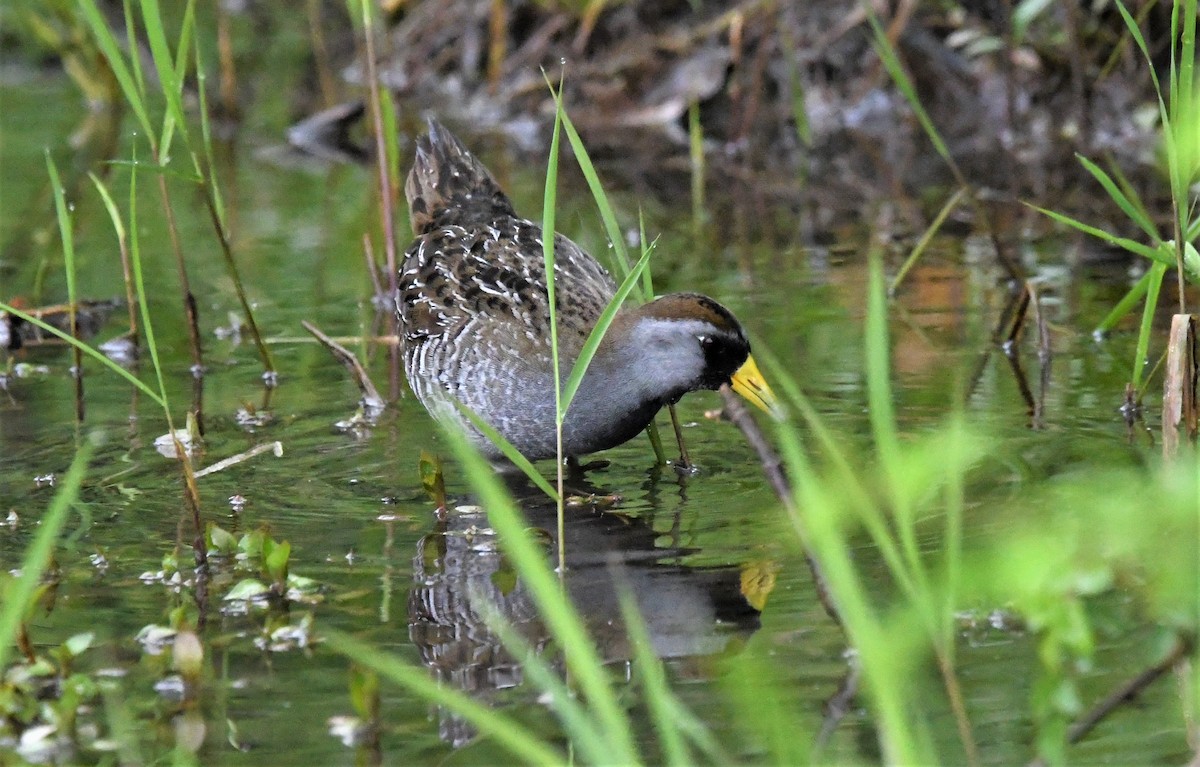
column 460, row 576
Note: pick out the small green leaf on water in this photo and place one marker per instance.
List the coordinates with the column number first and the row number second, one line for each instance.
column 432, row 478
column 221, row 540
column 275, row 559
column 246, row 590
column 251, row 543
column 77, row 644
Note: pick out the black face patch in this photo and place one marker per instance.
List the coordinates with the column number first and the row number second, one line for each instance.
column 724, row 353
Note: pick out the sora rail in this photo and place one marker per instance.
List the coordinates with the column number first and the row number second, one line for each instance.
column 475, row 320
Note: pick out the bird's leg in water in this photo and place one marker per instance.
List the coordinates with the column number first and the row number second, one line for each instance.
column 685, row 462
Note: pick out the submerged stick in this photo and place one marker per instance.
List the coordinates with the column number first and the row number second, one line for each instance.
column 275, row 447
column 370, row 395
column 1122, row 695
column 772, row 466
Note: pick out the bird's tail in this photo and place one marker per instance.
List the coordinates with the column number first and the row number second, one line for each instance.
column 448, row 185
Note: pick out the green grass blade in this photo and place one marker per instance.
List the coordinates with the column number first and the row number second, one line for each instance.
column 891, row 62
column 588, row 351
column 135, row 259
column 696, row 157
column 98, row 26
column 878, row 371
column 67, row 235
column 881, row 406
column 926, row 237
column 1121, row 242
column 1157, row 272
column 1134, row 213
column 556, row 610
column 114, row 215
column 208, row 179
column 850, row 480
column 164, row 67
column 88, row 350
column 1126, row 304
column 576, row 719
column 647, row 276
column 548, row 237
column 37, row 555
column 611, row 228
column 900, row 731
column 507, row 732
column 506, row 447
column 1136, row 32
column 659, row 698
column 1183, row 78
column 65, row 232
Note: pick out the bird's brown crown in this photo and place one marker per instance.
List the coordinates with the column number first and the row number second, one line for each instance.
column 693, row 306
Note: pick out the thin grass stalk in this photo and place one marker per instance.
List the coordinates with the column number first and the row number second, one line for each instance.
column 169, row 70
column 508, row 733
column 696, row 156
column 890, row 58
column 383, row 123
column 647, row 294
column 850, row 480
column 548, row 238
column 659, row 699
column 882, row 412
column 508, row 449
column 191, row 492
column 926, row 237
column 1157, row 272
column 611, row 228
column 898, row 734
column 38, row 553
column 954, row 499
column 592, row 343
column 114, row 216
column 130, row 79
column 576, row 719
column 375, row 99
column 66, row 233
column 1125, row 305
column 135, row 257
column 1134, row 211
column 1130, row 193
column 214, row 203
column 546, row 589
column 85, row 348
column 1133, row 246
column 1183, row 108
column 884, row 428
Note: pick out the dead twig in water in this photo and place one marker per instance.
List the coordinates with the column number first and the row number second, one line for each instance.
column 370, row 395
column 1045, row 355
column 1179, row 408
column 275, row 447
column 1124, row 694
column 772, row 466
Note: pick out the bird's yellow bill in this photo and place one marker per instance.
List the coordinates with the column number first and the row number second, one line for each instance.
column 749, row 383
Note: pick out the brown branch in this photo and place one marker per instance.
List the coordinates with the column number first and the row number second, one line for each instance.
column 370, row 395
column 773, row 468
